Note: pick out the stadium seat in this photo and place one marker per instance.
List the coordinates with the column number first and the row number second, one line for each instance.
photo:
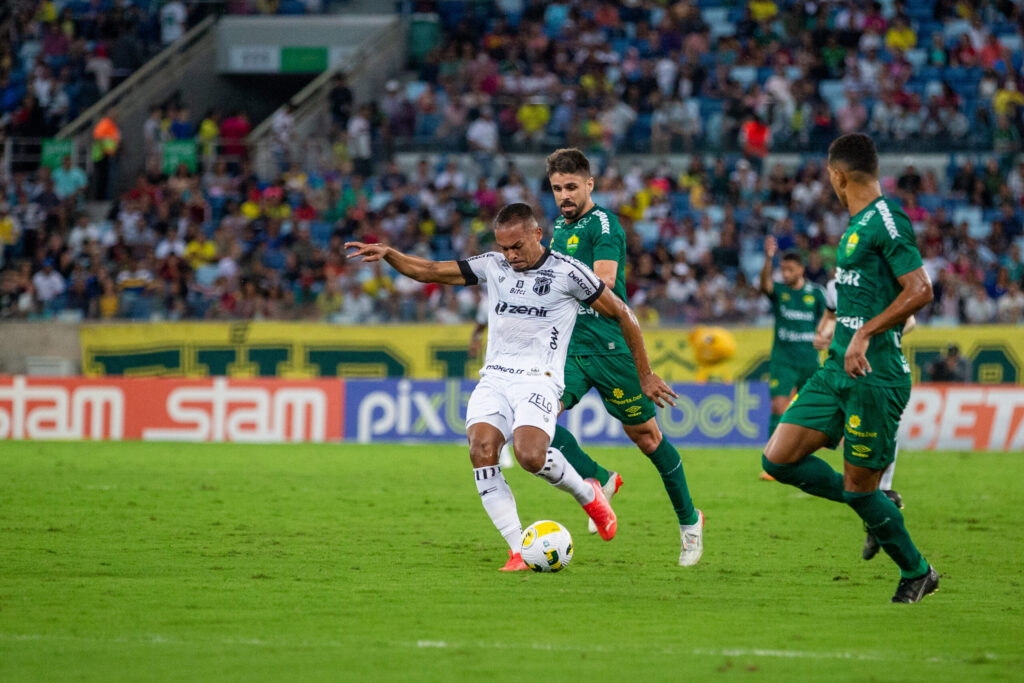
column 744, row 75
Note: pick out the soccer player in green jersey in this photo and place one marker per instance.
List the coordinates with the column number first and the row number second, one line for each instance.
column 860, row 392
column 797, row 306
column 598, row 355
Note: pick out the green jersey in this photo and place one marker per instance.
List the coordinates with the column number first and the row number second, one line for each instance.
column 797, row 312
column 596, row 236
column 877, row 247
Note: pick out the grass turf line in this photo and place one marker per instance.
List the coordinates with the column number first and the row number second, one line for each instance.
column 184, row 562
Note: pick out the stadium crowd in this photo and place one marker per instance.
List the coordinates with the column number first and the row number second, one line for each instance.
column 221, row 242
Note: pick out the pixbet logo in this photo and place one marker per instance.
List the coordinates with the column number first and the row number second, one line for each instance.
column 403, row 411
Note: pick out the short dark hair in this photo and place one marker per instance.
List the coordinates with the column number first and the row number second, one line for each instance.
column 568, row 160
column 793, row 255
column 856, row 152
column 514, row 213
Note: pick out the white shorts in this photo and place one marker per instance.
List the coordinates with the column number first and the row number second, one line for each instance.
column 507, row 406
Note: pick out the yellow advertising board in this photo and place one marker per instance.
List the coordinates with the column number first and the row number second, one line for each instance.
column 300, row 350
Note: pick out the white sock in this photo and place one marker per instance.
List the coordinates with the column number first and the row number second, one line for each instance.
column 500, row 504
column 563, row 476
column 885, row 483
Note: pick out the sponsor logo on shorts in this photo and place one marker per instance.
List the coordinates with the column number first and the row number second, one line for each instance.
column 861, row 450
column 618, row 393
column 539, row 401
column 623, row 401
column 553, row 343
column 633, row 411
column 852, row 427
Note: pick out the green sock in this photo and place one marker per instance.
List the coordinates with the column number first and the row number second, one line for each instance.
column 811, row 474
column 583, row 463
column 884, row 521
column 773, row 422
column 670, row 466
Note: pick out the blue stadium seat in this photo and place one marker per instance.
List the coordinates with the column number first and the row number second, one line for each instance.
column 830, row 89
column 648, row 231
column 917, row 57
column 929, row 202
column 744, row 75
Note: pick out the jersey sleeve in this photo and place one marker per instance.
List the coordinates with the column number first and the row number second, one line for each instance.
column 582, row 283
column 831, row 298
column 609, row 239
column 896, row 243
column 475, row 269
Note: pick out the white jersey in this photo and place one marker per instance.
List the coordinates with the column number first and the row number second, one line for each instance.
column 830, row 295
column 531, row 313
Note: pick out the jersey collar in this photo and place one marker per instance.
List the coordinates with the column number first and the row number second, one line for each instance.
column 540, row 262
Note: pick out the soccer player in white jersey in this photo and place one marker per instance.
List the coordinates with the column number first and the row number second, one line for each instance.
column 822, row 340
column 534, row 295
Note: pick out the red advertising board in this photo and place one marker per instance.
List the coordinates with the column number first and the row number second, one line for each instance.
column 159, row 409
column 964, row 417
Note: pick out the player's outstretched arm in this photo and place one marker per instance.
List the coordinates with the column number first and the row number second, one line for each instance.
column 916, row 294
column 767, row 284
column 611, row 306
column 421, row 269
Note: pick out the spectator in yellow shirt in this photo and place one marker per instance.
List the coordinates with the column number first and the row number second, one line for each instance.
column 762, row 10
column 900, row 36
column 200, row 251
column 533, row 117
column 1007, row 99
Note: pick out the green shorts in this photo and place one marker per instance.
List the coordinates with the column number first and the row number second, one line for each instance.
column 867, row 416
column 615, row 379
column 787, row 377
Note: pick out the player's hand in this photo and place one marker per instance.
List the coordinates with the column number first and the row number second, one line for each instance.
column 770, row 247
column 856, row 360
column 821, row 342
column 369, row 252
column 655, row 389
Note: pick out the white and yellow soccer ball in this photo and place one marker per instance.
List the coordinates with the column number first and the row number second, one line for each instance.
column 547, row 546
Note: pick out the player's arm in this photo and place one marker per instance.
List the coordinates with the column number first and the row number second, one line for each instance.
column 611, row 306
column 767, row 284
column 607, row 270
column 826, row 328
column 916, row 294
column 909, row 325
column 421, row 269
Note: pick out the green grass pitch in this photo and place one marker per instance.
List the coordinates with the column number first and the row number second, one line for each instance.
column 228, row 562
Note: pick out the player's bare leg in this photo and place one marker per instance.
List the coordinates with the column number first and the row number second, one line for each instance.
column 485, row 441
column 649, row 439
column 531, row 445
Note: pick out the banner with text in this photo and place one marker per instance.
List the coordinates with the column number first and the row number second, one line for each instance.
column 114, row 409
column 304, row 350
column 964, row 417
column 432, row 410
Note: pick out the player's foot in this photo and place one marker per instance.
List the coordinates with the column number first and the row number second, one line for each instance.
column 600, row 510
column 871, row 546
column 914, row 590
column 610, row 488
column 692, row 542
column 764, row 476
column 515, row 563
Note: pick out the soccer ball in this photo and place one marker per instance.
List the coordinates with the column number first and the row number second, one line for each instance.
column 547, row 546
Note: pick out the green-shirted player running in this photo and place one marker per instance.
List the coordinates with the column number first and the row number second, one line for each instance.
column 859, row 394
column 598, row 355
column 797, row 306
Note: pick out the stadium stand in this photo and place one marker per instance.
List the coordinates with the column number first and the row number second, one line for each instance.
column 733, row 104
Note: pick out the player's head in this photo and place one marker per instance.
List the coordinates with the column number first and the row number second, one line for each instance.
column 792, row 267
column 569, row 174
column 518, row 235
column 852, row 160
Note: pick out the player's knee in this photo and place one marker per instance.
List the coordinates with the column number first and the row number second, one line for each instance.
column 483, row 452
column 647, row 436
column 531, row 459
column 780, row 472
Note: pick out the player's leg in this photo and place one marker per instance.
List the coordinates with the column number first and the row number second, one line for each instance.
column 812, row 421
column 873, row 415
column 488, row 423
column 871, row 547
column 534, row 409
column 781, row 385
column 577, row 384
